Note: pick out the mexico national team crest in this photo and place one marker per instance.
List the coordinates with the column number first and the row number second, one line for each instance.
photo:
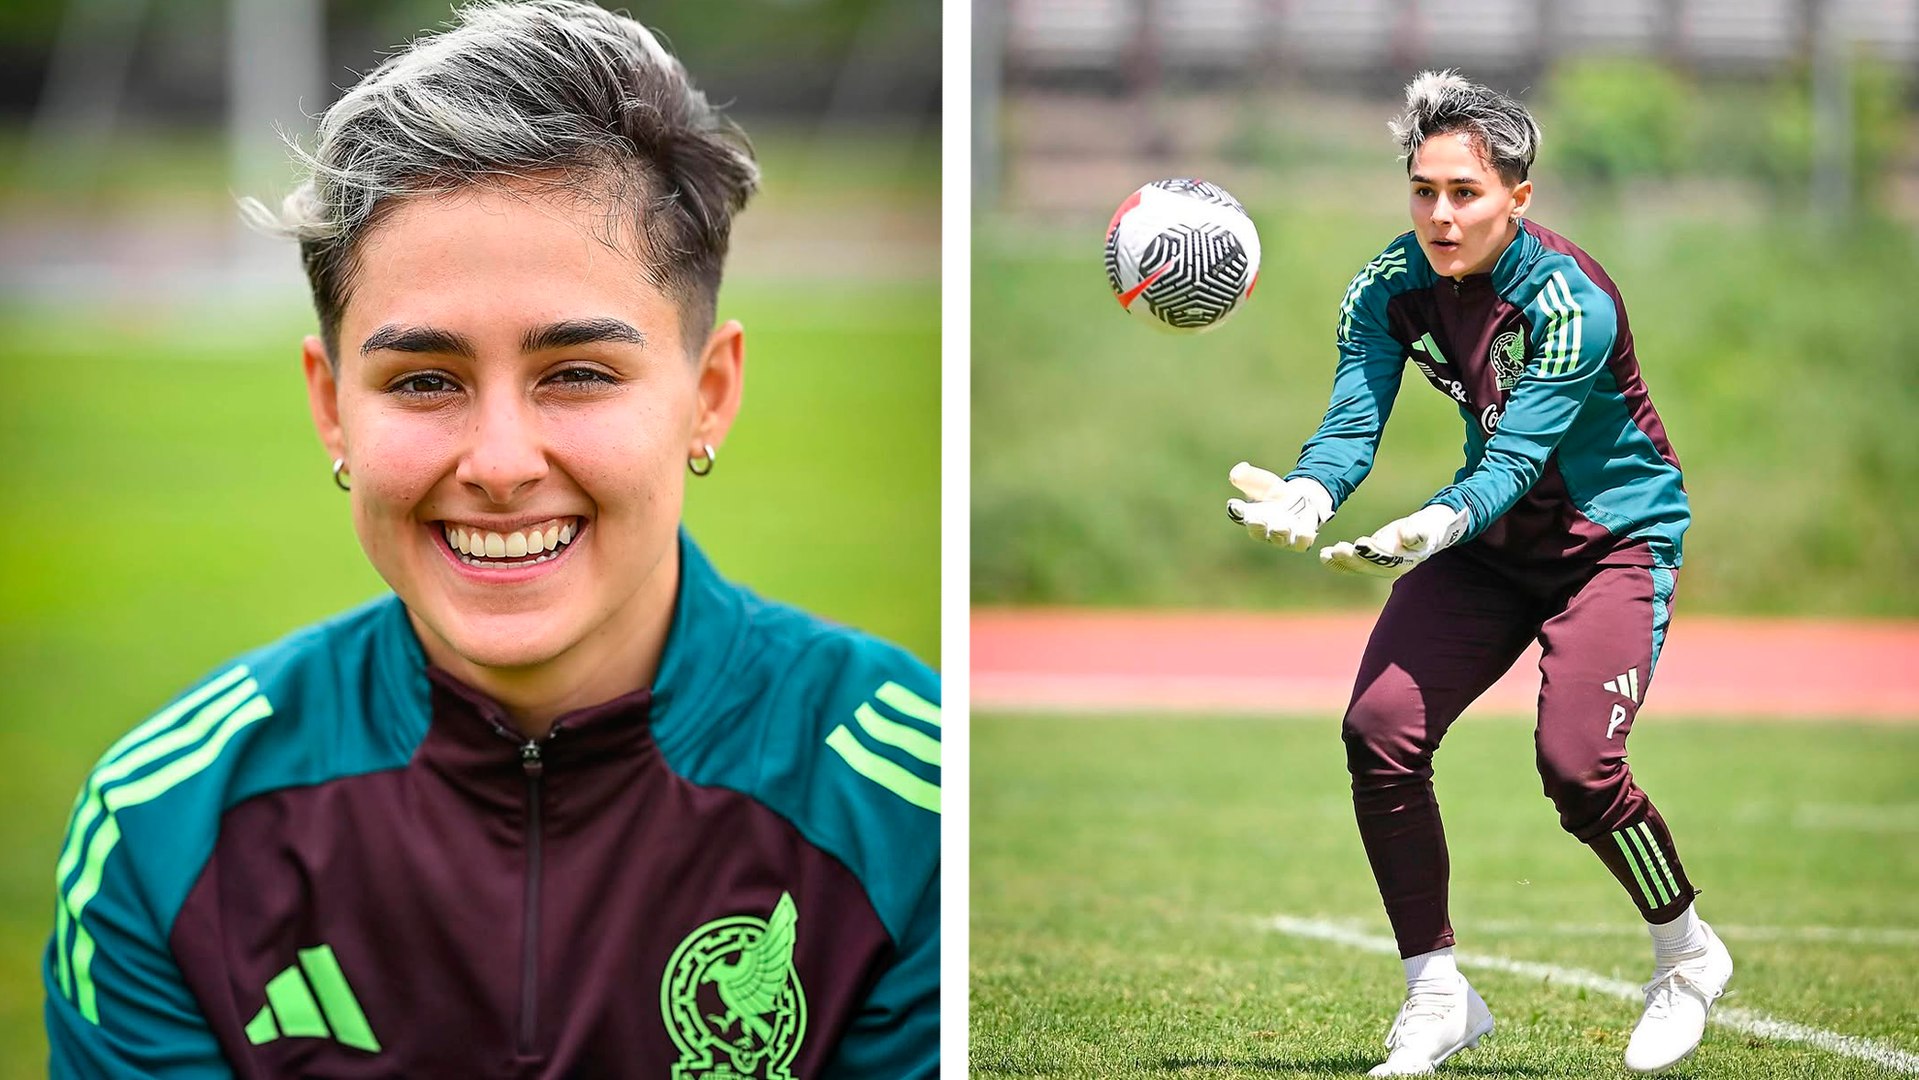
column 1508, row 359
column 732, row 999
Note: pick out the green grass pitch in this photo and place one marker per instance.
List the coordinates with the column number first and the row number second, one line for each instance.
column 1126, row 872
column 171, row 507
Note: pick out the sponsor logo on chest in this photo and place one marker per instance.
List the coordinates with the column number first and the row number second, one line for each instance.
column 1506, row 360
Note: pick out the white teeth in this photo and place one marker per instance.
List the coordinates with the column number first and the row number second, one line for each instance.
column 535, row 544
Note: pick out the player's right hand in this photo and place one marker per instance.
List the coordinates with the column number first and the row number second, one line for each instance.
column 1284, row 512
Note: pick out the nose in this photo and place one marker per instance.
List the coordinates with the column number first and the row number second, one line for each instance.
column 1442, row 211
column 505, row 450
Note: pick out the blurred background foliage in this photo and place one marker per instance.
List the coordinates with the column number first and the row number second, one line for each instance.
column 153, row 414
column 1613, row 120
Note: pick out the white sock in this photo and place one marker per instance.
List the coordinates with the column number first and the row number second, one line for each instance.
column 1436, row 968
column 1680, row 939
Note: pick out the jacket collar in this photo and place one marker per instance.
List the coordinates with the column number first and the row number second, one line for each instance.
column 1517, row 260
column 468, row 734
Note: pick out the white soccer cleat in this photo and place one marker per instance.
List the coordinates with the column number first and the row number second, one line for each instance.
column 1432, row 1026
column 1677, row 1000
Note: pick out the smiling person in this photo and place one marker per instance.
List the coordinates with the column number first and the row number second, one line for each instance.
column 567, row 803
column 1563, row 526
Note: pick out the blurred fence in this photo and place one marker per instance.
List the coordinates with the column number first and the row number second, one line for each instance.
column 1808, row 93
column 1053, row 38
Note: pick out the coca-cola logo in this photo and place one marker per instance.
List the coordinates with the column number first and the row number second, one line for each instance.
column 1489, row 418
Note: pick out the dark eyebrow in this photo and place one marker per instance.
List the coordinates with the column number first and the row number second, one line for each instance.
column 1456, row 181
column 570, row 332
column 417, row 339
column 559, row 335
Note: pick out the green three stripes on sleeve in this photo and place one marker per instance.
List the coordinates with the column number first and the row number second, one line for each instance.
column 1388, row 265
column 880, row 728
column 235, row 703
column 1561, row 336
column 1648, row 864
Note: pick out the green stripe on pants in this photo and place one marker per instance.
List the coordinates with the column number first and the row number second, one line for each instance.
column 1626, row 850
column 1645, row 855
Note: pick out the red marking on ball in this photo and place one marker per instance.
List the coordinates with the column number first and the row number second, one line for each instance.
column 1126, row 298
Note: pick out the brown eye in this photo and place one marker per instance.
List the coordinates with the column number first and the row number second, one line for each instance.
column 580, row 376
column 423, row 385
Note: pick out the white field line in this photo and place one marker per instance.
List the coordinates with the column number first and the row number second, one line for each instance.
column 1744, row 1021
column 1842, row 935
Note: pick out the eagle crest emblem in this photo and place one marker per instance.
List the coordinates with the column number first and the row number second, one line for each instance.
column 732, row 999
column 1508, row 359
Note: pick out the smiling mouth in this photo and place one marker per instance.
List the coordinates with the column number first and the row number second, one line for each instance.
column 530, row 546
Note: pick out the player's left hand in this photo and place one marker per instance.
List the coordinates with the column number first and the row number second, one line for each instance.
column 1398, row 546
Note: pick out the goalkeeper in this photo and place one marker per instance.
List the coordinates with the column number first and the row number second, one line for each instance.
column 1563, row 526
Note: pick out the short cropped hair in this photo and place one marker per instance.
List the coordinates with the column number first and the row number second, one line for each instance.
column 558, row 97
column 1497, row 127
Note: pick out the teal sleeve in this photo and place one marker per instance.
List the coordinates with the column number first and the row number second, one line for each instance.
column 149, row 1026
column 119, row 1008
column 1573, row 323
column 1371, row 361
column 897, row 1031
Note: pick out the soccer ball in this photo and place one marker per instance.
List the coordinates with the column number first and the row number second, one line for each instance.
column 1184, row 252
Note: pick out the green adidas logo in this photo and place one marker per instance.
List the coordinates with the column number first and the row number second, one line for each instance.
column 311, row 1000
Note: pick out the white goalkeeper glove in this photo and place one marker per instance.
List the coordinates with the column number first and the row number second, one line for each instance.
column 1400, row 545
column 1284, row 512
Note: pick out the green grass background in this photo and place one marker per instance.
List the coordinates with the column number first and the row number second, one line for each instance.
column 1779, row 354
column 1121, row 867
column 169, row 506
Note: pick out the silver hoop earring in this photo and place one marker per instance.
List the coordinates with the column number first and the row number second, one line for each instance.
column 341, row 478
column 702, row 466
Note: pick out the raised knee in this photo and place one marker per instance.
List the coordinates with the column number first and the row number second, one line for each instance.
column 1383, row 736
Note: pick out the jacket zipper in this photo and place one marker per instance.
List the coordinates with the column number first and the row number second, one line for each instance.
column 535, row 769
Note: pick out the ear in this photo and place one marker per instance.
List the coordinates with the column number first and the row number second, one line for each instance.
column 323, row 397
column 1522, row 197
column 721, row 381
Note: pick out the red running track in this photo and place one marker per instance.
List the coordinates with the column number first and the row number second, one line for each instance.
column 1219, row 662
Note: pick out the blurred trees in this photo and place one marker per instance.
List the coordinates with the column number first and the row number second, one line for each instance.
column 1611, row 121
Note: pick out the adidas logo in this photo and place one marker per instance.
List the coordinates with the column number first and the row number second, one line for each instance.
column 1626, row 686
column 311, row 1000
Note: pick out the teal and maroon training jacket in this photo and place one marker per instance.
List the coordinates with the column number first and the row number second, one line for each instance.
column 1565, row 455
column 329, row 859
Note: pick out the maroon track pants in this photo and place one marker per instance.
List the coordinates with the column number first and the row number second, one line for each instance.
column 1451, row 628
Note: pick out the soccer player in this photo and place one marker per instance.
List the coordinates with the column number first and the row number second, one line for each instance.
column 1564, row 526
column 567, row 803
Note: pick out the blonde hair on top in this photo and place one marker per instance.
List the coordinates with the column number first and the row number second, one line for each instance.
column 1445, row 103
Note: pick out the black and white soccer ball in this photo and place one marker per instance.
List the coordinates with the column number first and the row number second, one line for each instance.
column 1182, row 252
